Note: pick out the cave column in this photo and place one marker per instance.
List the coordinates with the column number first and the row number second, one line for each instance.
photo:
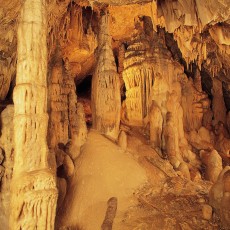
column 33, row 187
column 106, row 102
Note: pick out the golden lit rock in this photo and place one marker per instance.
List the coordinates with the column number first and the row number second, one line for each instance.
column 114, row 114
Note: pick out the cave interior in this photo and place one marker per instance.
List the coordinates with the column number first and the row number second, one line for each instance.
column 114, row 114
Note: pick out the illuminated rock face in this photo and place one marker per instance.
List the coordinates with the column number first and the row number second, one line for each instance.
column 155, row 79
column 138, row 78
column 219, row 196
column 106, row 102
column 58, row 94
column 63, row 105
column 7, row 163
column 33, row 188
column 169, row 105
column 195, row 103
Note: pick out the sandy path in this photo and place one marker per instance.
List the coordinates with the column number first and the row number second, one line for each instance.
column 103, row 170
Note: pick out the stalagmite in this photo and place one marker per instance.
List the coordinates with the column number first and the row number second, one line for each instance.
column 213, row 163
column 194, row 103
column 222, row 143
column 170, row 141
column 106, row 102
column 7, row 148
column 58, row 109
column 33, row 187
column 219, row 196
column 218, row 102
column 79, row 136
column 156, row 125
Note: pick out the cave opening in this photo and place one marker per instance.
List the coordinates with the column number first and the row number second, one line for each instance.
column 84, row 97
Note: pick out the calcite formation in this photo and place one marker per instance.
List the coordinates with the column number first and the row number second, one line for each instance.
column 219, row 196
column 78, row 41
column 106, row 86
column 58, row 95
column 7, row 163
column 195, row 103
column 158, row 94
column 63, row 104
column 218, row 102
column 138, row 77
column 154, row 80
column 33, row 189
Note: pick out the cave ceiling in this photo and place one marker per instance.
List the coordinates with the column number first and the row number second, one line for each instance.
column 201, row 29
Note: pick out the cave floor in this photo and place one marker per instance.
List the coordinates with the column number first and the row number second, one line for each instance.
column 178, row 206
column 172, row 204
column 161, row 200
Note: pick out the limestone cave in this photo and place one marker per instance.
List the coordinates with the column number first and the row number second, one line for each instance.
column 115, row 114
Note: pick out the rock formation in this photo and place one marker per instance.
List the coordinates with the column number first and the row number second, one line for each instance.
column 138, row 77
column 218, row 102
column 153, row 79
column 33, row 187
column 219, row 196
column 213, row 162
column 7, row 163
column 58, row 95
column 194, row 102
column 63, row 104
column 106, row 86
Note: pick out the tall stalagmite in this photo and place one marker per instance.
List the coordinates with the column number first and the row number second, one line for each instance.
column 7, row 150
column 106, row 100
column 33, row 188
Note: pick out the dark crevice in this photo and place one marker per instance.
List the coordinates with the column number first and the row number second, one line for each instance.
column 84, row 97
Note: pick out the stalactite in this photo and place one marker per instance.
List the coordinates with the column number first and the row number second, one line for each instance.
column 106, row 86
column 138, row 77
column 33, row 188
column 192, row 47
column 76, row 25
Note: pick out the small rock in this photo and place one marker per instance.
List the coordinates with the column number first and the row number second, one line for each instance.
column 225, row 210
column 174, row 162
column 68, row 166
column 183, row 168
column 62, row 185
column 195, row 175
column 60, row 156
column 207, row 212
column 201, row 200
column 194, row 220
column 1, row 155
column 122, row 140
